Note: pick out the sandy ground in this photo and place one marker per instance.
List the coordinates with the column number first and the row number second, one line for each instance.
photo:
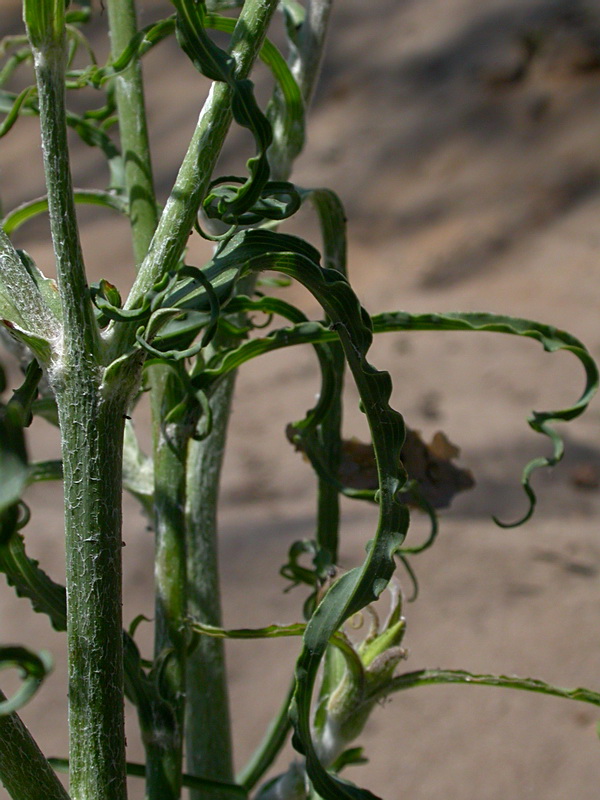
column 462, row 137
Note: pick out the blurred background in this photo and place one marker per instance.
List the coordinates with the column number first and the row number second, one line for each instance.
column 463, row 140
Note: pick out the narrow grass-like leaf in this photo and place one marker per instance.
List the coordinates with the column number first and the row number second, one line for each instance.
column 32, row 208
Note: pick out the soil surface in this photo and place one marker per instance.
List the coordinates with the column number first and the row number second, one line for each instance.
column 463, row 139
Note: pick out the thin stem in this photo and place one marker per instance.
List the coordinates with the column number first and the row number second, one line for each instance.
column 209, row 747
column 24, row 771
column 80, row 329
column 164, row 746
column 268, row 750
column 133, row 131
column 91, row 422
column 311, row 46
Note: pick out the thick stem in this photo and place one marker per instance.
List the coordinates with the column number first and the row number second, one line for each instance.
column 133, row 131
column 92, row 435
column 24, row 771
column 91, row 425
column 80, row 329
column 209, row 751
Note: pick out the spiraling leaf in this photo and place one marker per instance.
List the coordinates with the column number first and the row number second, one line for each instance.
column 552, row 339
column 34, row 667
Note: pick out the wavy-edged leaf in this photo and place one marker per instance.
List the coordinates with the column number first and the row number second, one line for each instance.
column 551, row 338
column 28, row 580
column 226, row 200
column 34, row 667
column 328, row 439
column 430, row 677
column 48, row 597
column 14, row 469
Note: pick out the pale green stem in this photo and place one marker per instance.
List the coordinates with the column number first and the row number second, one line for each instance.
column 311, row 46
column 91, row 425
column 133, row 131
column 164, row 744
column 209, row 751
column 24, row 771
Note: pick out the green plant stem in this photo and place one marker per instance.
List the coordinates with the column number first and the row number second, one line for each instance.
column 24, row 771
column 209, row 750
column 164, row 744
column 91, row 422
column 268, row 750
column 133, row 131
column 311, row 46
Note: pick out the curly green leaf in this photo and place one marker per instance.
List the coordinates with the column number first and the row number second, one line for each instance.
column 34, row 667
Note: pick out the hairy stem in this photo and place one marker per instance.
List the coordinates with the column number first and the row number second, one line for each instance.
column 91, row 422
column 24, row 771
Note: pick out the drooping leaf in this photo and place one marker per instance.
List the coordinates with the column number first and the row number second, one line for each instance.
column 30, row 581
column 552, row 339
column 255, row 251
